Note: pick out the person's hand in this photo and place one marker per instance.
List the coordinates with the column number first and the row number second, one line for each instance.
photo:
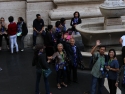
column 48, row 61
column 49, row 58
column 98, row 43
column 5, row 32
column 108, row 67
column 40, row 32
column 116, row 84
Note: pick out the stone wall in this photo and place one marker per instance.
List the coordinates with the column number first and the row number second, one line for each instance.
column 50, row 10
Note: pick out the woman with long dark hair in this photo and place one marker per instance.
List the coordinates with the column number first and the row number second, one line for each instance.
column 75, row 21
column 21, row 31
column 41, row 63
column 112, row 68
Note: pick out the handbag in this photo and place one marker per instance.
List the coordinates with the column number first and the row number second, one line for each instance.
column 46, row 72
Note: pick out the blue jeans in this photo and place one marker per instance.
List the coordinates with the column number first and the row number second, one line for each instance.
column 100, row 82
column 38, row 77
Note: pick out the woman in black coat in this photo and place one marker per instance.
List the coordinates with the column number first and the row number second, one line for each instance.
column 41, row 64
column 50, row 41
column 21, row 31
column 75, row 21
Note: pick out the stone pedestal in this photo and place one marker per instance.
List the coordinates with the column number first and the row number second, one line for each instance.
column 112, row 23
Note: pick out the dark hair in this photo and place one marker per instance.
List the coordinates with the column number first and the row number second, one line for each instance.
column 11, row 19
column 37, row 15
column 62, row 20
column 49, row 27
column 113, row 51
column 2, row 18
column 57, row 23
column 21, row 19
column 102, row 47
column 78, row 14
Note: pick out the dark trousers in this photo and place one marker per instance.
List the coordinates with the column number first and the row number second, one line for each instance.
column 72, row 69
column 95, row 81
column 38, row 77
column 6, row 38
column 21, row 41
column 112, row 86
column 61, row 73
column 123, row 53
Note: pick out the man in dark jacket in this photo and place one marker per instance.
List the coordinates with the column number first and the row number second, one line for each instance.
column 38, row 28
column 75, row 57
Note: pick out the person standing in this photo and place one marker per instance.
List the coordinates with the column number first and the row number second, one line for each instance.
column 122, row 42
column 75, row 21
column 98, row 68
column 41, row 64
column 75, row 57
column 21, row 31
column 60, row 57
column 50, row 41
column 38, row 28
column 120, row 82
column 12, row 31
column 3, row 32
column 112, row 68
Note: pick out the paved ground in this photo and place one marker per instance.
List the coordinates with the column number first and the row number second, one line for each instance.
column 18, row 76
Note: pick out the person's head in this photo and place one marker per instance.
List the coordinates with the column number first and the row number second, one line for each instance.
column 11, row 19
column 2, row 19
column 72, row 41
column 69, row 31
column 49, row 27
column 60, row 47
column 58, row 24
column 76, row 14
column 39, row 48
column 112, row 53
column 102, row 50
column 38, row 16
column 20, row 19
column 63, row 21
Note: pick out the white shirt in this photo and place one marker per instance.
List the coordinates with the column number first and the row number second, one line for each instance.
column 123, row 40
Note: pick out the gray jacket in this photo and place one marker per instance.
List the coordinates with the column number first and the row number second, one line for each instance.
column 120, row 76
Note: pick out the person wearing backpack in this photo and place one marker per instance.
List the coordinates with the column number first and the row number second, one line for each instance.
column 98, row 68
column 41, row 64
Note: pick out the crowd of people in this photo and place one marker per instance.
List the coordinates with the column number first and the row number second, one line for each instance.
column 59, row 48
column 11, row 32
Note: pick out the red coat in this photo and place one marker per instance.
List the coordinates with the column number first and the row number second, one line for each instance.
column 12, row 28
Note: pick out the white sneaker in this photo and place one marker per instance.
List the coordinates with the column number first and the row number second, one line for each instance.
column 22, row 50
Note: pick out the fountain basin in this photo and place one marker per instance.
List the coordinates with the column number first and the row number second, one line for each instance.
column 112, row 11
column 90, row 32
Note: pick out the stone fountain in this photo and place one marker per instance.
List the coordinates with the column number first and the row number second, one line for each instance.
column 109, row 31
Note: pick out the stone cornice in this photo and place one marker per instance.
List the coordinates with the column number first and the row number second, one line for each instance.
column 65, row 2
